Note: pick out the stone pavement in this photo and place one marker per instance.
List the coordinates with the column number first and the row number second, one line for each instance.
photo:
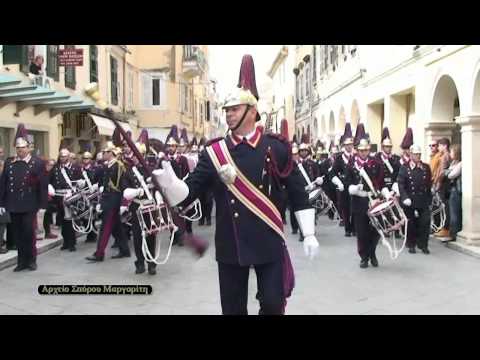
column 444, row 282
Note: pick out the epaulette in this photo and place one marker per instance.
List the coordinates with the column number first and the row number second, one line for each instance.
column 210, row 142
column 278, row 137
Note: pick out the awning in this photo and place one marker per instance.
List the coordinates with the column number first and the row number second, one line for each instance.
column 106, row 126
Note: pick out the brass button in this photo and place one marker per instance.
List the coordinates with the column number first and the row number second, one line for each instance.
column 260, row 186
column 236, row 215
column 232, row 201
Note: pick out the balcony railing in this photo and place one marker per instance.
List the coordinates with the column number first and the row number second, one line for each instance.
column 195, row 64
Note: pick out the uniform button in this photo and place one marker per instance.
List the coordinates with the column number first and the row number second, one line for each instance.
column 232, row 201
column 260, row 186
column 236, row 215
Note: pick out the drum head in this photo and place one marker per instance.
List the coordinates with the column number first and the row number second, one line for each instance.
column 381, row 207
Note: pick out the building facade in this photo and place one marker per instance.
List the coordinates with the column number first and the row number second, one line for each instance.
column 283, row 88
column 147, row 86
column 434, row 89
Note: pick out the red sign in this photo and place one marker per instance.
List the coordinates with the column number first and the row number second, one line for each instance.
column 70, row 57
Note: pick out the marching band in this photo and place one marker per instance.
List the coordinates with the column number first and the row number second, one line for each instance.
column 253, row 176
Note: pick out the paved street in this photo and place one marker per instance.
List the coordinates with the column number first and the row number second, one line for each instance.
column 445, row 282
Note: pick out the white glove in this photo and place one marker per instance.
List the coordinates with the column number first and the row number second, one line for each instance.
column 2, row 211
column 338, row 183
column 310, row 187
column 175, row 189
column 407, row 202
column 357, row 190
column 149, row 180
column 51, row 190
column 132, row 193
column 98, row 208
column 387, row 194
column 81, row 183
column 306, row 223
column 416, row 214
column 158, row 198
column 101, row 189
column 310, row 246
column 319, row 181
column 396, row 189
column 123, row 209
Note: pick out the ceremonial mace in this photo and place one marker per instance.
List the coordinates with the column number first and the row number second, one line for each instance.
column 198, row 244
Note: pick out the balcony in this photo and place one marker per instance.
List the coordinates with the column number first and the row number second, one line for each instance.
column 194, row 62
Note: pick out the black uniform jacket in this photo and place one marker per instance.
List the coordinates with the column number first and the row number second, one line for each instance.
column 241, row 237
column 415, row 184
column 23, row 185
column 374, row 171
column 389, row 177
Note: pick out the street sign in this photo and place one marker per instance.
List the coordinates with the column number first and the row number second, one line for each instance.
column 70, row 57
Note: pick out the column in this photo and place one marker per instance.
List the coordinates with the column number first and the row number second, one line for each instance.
column 470, row 234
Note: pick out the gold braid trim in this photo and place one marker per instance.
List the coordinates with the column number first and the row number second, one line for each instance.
column 120, row 172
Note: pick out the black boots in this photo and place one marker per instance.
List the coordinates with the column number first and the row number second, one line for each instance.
column 364, row 263
column 373, row 260
column 94, row 258
column 139, row 268
column 411, row 250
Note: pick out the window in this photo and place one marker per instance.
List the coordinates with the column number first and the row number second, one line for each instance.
column 114, row 80
column 186, row 103
column 325, row 57
column 190, row 104
column 130, row 90
column 156, row 92
column 18, row 54
column 153, row 90
column 353, row 50
column 52, row 62
column 93, row 63
column 70, row 72
column 208, row 110
column 314, row 64
column 188, row 52
column 307, row 80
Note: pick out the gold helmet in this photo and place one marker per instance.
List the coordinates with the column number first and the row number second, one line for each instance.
column 363, row 145
column 415, row 149
column 87, row 155
column 21, row 139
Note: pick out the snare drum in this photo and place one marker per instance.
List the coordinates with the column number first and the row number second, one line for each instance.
column 387, row 216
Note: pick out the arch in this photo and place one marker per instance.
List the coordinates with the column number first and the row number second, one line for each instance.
column 476, row 93
column 445, row 100
column 323, row 127
column 315, row 128
column 342, row 120
column 354, row 114
column 331, row 123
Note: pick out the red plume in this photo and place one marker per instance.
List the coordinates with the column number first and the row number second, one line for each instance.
column 284, row 128
column 246, row 79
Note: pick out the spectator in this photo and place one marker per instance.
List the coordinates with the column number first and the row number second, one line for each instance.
column 2, row 153
column 441, row 183
column 4, row 220
column 36, row 65
column 435, row 156
column 454, row 175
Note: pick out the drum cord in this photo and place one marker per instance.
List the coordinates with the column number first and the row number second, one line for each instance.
column 394, row 253
column 146, row 252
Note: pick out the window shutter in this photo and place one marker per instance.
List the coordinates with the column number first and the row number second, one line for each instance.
column 147, row 91
column 163, row 93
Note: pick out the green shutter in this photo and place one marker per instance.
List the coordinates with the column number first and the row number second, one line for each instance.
column 12, row 54
column 114, row 80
